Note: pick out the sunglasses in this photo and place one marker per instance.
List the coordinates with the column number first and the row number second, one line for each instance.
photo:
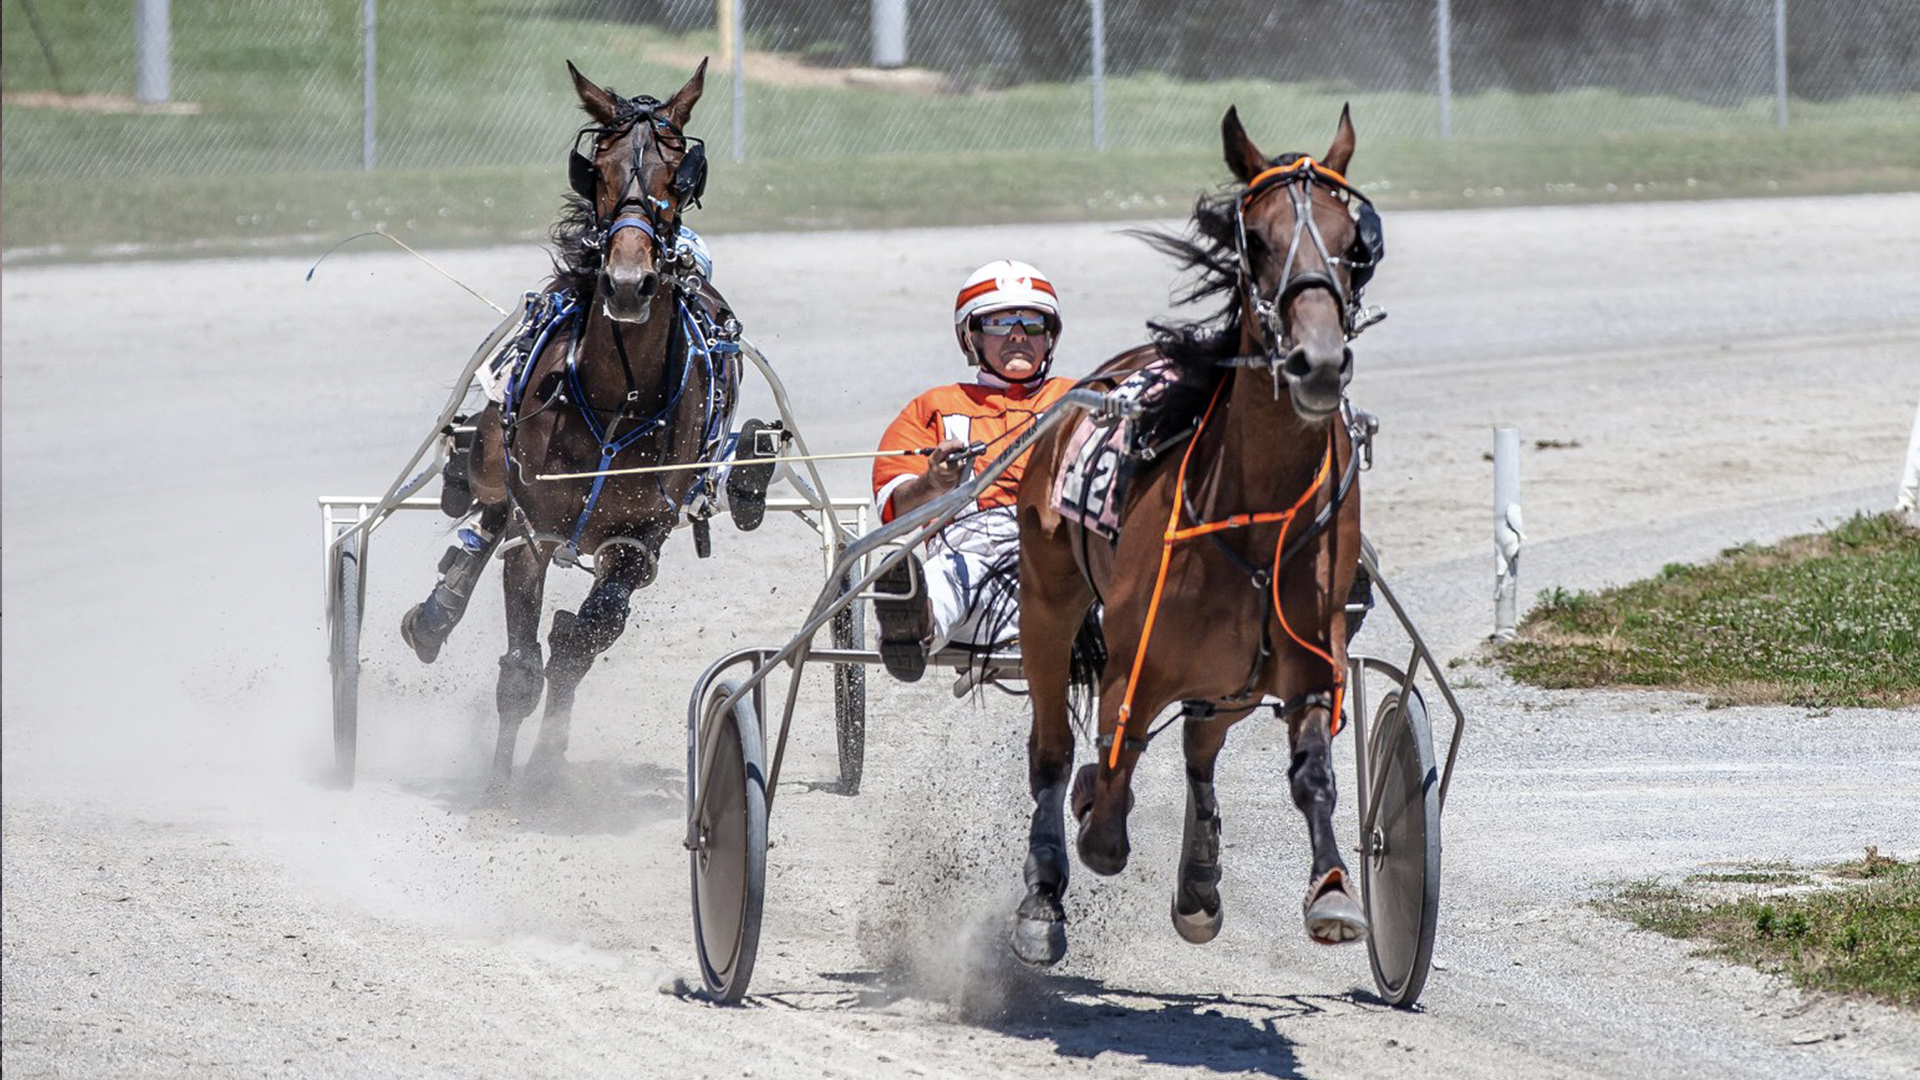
column 1002, row 325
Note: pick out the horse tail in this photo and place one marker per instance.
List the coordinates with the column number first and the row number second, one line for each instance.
column 1085, row 668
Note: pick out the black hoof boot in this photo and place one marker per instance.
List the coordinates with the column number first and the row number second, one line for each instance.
column 1040, row 930
column 906, row 618
column 747, row 480
column 521, row 682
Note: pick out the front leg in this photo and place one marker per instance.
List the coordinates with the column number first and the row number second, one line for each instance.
column 578, row 637
column 1332, row 906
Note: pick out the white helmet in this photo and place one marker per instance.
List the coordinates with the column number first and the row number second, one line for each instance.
column 1005, row 285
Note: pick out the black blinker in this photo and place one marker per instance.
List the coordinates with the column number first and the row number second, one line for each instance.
column 690, row 178
column 583, row 175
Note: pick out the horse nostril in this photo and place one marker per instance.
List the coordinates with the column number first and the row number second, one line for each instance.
column 1298, row 366
column 646, row 285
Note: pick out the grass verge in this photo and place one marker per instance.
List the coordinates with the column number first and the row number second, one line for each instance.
column 1849, row 929
column 1820, row 621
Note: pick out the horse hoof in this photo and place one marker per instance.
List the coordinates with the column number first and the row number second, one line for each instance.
column 1333, row 913
column 424, row 644
column 1199, row 927
column 1040, row 931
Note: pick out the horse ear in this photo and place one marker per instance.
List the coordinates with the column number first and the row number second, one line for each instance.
column 1341, row 152
column 680, row 105
column 1244, row 158
column 597, row 100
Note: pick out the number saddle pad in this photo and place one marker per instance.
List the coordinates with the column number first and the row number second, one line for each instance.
column 1100, row 458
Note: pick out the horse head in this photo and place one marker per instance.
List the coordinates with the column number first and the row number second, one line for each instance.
column 640, row 172
column 1305, row 248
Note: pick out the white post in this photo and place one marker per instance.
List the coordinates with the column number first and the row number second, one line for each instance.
column 1780, row 63
column 1099, row 49
column 889, row 19
column 738, row 9
column 366, row 90
column 153, row 45
column 1444, row 34
column 1507, row 531
column 1910, row 478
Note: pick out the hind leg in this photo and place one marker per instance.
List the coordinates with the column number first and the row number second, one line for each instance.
column 1332, row 907
column 578, row 637
column 1052, row 608
column 524, row 574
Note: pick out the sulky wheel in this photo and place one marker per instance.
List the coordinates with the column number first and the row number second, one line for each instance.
column 850, row 698
column 1400, row 880
column 730, row 858
column 343, row 611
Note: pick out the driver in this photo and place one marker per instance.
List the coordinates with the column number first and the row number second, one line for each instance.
column 1007, row 320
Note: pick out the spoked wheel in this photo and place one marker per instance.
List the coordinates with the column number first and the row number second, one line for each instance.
column 730, row 859
column 1400, row 882
column 850, row 698
column 344, row 657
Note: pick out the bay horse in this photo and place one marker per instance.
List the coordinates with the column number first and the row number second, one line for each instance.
column 1225, row 589
column 611, row 382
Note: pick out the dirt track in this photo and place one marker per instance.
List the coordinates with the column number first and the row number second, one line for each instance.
column 181, row 897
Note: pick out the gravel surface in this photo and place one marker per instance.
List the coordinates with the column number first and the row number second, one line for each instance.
column 183, row 897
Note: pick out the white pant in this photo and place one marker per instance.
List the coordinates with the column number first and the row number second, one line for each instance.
column 971, row 604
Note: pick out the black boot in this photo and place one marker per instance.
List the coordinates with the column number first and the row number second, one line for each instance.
column 905, row 615
column 747, row 480
column 456, row 482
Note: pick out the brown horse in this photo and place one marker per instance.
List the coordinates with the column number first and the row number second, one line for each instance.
column 613, row 384
column 1225, row 589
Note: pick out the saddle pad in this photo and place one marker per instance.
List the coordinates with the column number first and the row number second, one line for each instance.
column 1091, row 486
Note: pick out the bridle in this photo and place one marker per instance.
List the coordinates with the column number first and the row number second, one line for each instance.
column 1299, row 179
column 658, row 219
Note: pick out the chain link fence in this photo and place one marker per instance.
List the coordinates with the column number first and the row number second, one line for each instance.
column 267, row 86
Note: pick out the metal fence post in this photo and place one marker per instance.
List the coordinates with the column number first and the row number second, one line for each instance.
column 1507, row 531
column 366, row 93
column 738, row 8
column 889, row 21
column 153, row 46
column 1780, row 63
column 1099, row 49
column 1444, row 33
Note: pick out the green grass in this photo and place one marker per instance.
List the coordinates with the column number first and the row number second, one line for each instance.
column 475, row 114
column 1856, row 929
column 1819, row 621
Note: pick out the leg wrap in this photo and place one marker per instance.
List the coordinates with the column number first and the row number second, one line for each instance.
column 1047, row 861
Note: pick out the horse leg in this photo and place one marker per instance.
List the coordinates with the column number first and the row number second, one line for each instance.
column 426, row 625
column 578, row 637
column 524, row 573
column 1040, row 923
column 1197, row 911
column 1102, row 797
column 1332, row 907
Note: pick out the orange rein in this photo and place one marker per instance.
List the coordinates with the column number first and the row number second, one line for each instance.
column 1174, row 534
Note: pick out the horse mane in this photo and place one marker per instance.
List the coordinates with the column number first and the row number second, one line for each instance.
column 1207, row 249
column 576, row 246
